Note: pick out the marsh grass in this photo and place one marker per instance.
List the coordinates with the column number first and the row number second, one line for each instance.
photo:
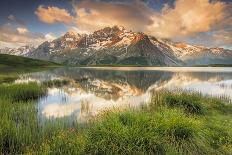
column 8, row 78
column 22, row 92
column 133, row 132
column 172, row 123
column 56, row 83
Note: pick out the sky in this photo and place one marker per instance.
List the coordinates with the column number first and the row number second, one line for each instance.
column 200, row 22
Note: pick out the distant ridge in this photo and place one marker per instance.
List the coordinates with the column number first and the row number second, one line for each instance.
column 118, row 46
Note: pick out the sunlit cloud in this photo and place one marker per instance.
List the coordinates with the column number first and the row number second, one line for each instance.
column 187, row 18
column 11, row 36
column 94, row 15
column 50, row 37
column 22, row 30
column 180, row 21
column 53, row 15
column 77, row 30
column 184, row 19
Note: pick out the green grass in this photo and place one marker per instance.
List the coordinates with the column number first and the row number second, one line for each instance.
column 172, row 123
column 140, row 132
column 22, row 92
column 18, row 61
column 11, row 66
column 7, row 78
column 56, row 83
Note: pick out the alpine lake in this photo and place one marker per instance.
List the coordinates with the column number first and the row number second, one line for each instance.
column 87, row 91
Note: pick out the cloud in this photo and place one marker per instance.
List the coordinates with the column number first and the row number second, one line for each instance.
column 53, row 15
column 93, row 15
column 22, row 30
column 50, row 37
column 11, row 17
column 77, row 30
column 223, row 36
column 187, row 18
column 15, row 20
column 11, row 36
column 184, row 18
column 217, row 38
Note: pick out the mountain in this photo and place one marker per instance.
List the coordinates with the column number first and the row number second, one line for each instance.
column 111, row 45
column 118, row 46
column 200, row 55
column 21, row 51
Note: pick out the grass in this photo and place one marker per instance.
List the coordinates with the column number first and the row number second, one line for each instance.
column 56, row 83
column 139, row 132
column 11, row 66
column 172, row 123
column 18, row 61
column 7, row 78
column 22, row 92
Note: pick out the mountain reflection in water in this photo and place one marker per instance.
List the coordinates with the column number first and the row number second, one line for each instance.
column 92, row 90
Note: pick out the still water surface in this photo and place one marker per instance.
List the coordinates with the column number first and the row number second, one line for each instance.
column 92, row 90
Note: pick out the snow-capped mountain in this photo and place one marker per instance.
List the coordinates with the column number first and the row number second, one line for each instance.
column 111, row 45
column 116, row 45
column 200, row 55
column 21, row 51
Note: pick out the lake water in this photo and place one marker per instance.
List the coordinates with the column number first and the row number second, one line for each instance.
column 92, row 90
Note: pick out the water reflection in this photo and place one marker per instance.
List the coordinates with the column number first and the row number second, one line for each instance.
column 92, row 90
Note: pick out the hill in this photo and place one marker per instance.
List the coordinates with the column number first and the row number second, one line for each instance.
column 11, row 63
column 11, row 66
column 18, row 61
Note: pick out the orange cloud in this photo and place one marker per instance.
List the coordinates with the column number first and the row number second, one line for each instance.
column 93, row 15
column 11, row 36
column 187, row 18
column 53, row 15
column 22, row 30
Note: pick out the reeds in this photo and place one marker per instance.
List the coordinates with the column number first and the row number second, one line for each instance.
column 172, row 123
column 22, row 92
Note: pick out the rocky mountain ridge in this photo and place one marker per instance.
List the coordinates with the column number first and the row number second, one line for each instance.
column 118, row 46
column 21, row 51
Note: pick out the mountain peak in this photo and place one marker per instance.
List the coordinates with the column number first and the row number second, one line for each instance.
column 121, row 28
column 71, row 34
column 118, row 45
column 139, row 37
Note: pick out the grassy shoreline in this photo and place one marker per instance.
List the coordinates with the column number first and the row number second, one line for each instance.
column 11, row 66
column 172, row 123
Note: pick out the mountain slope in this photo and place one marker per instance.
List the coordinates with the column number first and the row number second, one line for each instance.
column 21, row 51
column 200, row 55
column 106, row 46
column 118, row 46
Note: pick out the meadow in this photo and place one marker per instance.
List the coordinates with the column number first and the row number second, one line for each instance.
column 172, row 123
column 12, row 66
